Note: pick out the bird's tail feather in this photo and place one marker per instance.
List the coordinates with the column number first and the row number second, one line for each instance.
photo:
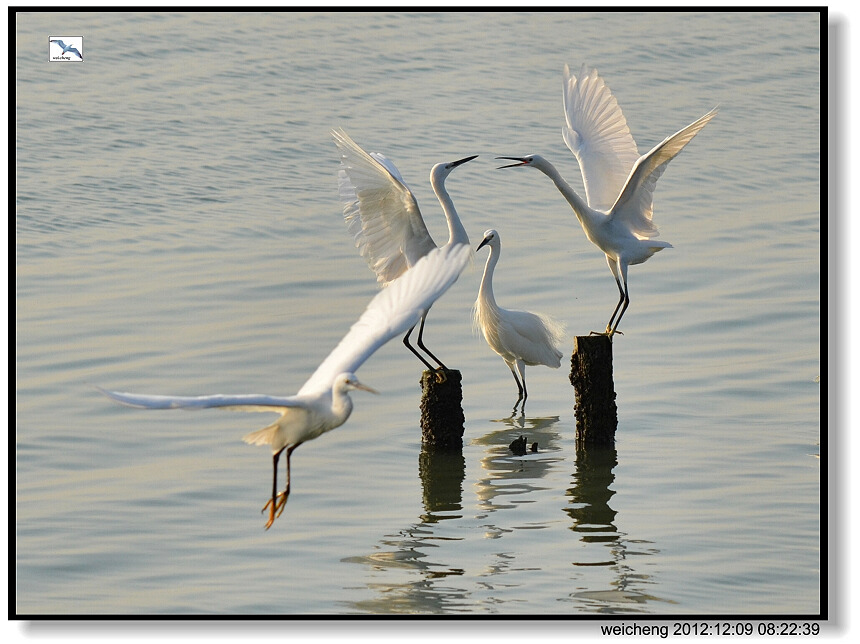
column 654, row 246
column 265, row 436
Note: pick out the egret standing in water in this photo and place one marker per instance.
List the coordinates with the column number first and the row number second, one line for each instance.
column 323, row 402
column 619, row 184
column 382, row 215
column 519, row 337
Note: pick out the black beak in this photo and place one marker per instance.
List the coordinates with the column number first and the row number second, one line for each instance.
column 483, row 243
column 521, row 160
column 454, row 164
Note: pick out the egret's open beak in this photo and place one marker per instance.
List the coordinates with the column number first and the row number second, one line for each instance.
column 521, row 160
column 454, row 164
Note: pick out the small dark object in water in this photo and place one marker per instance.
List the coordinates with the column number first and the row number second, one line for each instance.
column 534, row 446
column 518, row 446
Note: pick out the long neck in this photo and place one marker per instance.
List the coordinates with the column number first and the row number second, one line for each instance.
column 456, row 232
column 580, row 207
column 341, row 405
column 485, row 293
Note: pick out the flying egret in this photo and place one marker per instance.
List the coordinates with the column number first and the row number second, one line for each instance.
column 619, row 184
column 68, row 49
column 519, row 337
column 382, row 215
column 323, row 402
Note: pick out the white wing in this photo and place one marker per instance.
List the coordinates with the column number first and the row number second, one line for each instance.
column 597, row 134
column 250, row 402
column 534, row 337
column 380, row 211
column 635, row 202
column 392, row 312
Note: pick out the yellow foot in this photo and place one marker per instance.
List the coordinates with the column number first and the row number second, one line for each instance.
column 608, row 332
column 440, row 375
column 275, row 505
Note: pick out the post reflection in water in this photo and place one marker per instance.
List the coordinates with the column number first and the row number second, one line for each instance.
column 594, row 521
column 441, row 474
column 589, row 497
column 460, row 557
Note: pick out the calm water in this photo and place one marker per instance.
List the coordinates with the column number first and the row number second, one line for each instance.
column 178, row 230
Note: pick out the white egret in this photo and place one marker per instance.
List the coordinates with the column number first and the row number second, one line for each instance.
column 519, row 337
column 619, row 184
column 382, row 215
column 68, row 49
column 323, row 402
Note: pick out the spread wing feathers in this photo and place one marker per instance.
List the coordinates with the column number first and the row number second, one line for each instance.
column 634, row 204
column 250, row 402
column 392, row 312
column 380, row 210
column 596, row 132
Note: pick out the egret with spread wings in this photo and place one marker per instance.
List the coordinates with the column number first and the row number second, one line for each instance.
column 383, row 217
column 323, row 403
column 619, row 184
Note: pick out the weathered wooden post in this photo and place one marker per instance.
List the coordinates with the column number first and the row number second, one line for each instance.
column 442, row 418
column 591, row 377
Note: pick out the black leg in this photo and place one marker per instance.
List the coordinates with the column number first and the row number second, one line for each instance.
column 279, row 501
column 519, row 388
column 621, row 297
column 270, row 504
column 525, row 390
column 517, row 380
column 623, row 308
column 412, row 349
column 425, row 349
column 275, row 458
column 287, row 488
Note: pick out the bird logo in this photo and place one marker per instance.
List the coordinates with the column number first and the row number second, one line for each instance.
column 72, row 51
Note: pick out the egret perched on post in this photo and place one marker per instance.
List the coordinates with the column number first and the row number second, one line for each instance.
column 619, row 184
column 323, row 402
column 519, row 337
column 383, row 217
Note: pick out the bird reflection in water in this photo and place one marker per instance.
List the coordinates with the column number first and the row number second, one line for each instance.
column 509, row 470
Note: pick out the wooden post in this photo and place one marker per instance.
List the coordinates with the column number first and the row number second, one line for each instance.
column 591, row 377
column 442, row 418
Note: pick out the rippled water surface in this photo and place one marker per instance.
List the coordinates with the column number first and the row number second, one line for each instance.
column 178, row 230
